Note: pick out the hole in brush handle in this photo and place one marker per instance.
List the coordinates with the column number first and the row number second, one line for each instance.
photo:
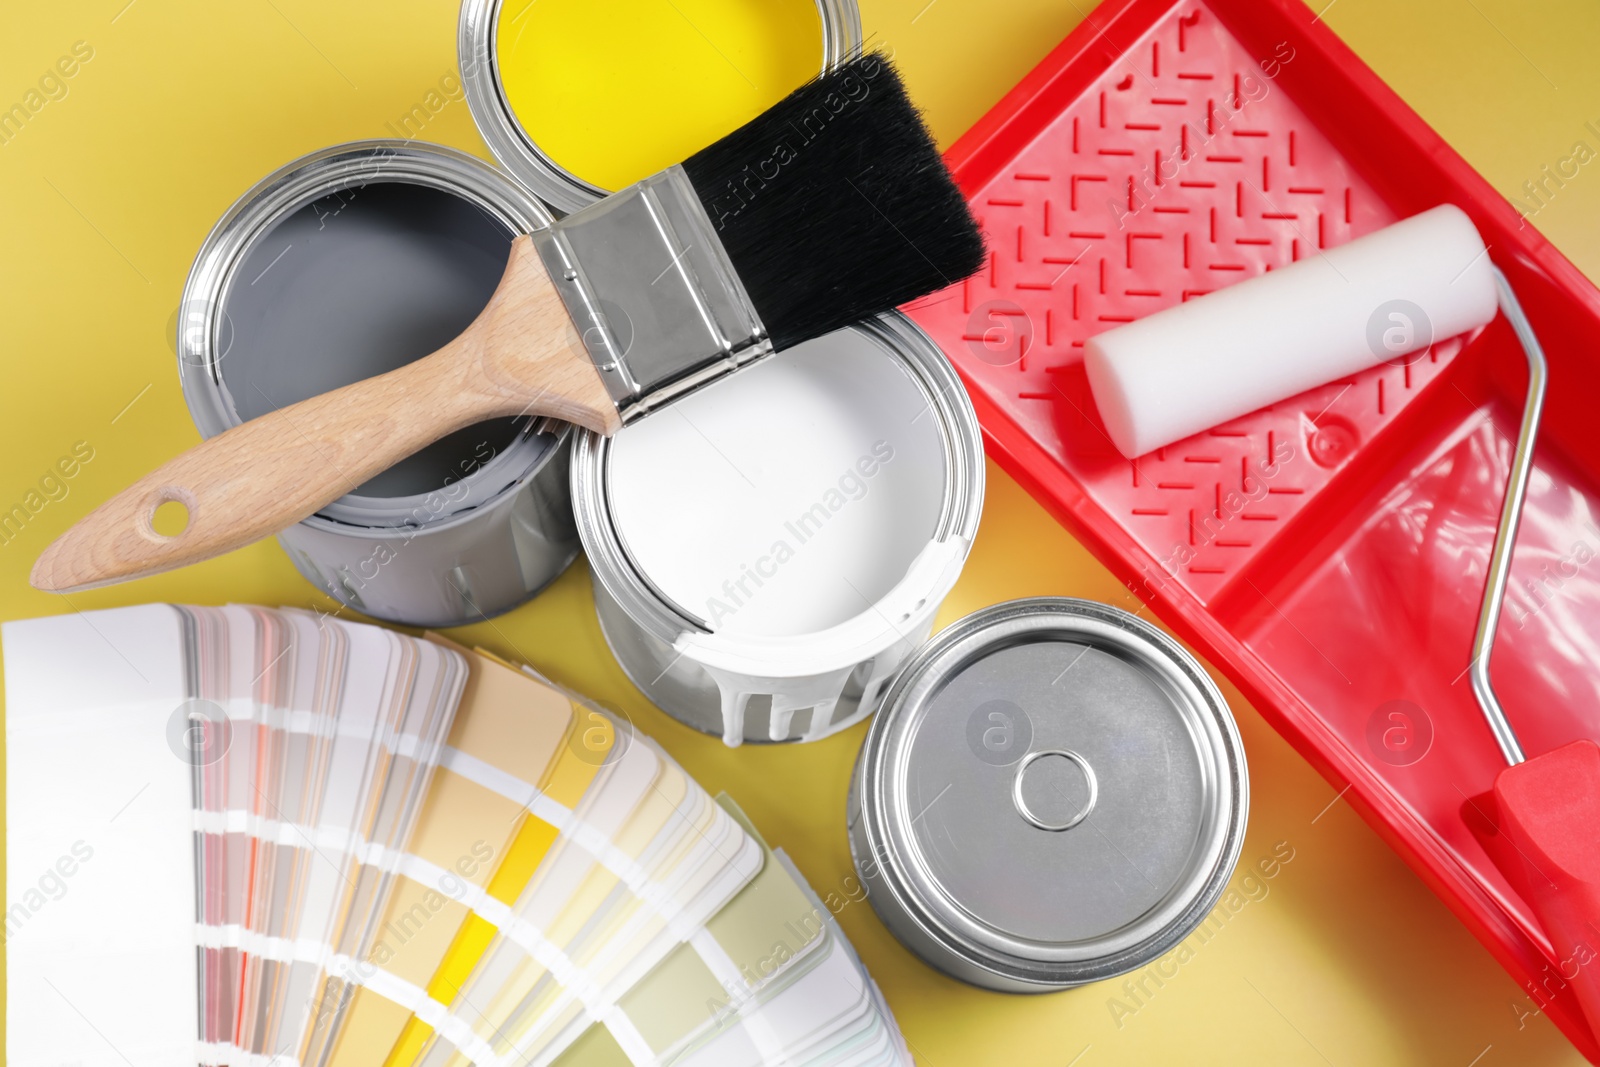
column 170, row 515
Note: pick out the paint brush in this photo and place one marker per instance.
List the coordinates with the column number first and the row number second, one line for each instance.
column 831, row 207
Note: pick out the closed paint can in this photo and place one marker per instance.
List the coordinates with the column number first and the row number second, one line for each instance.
column 767, row 553
column 578, row 99
column 347, row 263
column 1054, row 792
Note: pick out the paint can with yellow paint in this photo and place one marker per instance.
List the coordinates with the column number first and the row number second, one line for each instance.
column 577, row 99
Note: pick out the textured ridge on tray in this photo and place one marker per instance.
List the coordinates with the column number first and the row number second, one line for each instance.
column 1181, row 169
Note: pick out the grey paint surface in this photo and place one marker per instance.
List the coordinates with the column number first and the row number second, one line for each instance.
column 355, row 284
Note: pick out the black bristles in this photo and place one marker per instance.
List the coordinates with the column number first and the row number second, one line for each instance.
column 834, row 205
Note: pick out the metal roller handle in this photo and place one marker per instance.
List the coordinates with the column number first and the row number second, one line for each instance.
column 1505, row 538
column 1547, row 806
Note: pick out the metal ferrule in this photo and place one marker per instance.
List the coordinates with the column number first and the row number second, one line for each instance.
column 653, row 293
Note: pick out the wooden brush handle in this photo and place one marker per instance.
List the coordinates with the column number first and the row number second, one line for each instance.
column 521, row 356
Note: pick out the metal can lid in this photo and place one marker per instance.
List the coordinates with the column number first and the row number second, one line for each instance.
column 1054, row 790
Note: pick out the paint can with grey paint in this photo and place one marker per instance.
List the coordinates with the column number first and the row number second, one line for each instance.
column 1053, row 793
column 347, row 263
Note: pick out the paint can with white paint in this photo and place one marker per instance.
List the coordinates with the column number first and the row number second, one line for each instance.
column 348, row 263
column 767, row 554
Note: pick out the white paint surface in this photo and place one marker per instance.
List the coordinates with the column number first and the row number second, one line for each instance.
column 789, row 498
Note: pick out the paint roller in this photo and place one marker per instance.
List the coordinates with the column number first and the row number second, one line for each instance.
column 1197, row 365
column 1377, row 298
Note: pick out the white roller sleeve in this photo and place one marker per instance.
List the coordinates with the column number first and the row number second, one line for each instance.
column 1227, row 353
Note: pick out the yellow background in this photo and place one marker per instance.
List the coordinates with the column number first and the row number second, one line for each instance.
column 108, row 192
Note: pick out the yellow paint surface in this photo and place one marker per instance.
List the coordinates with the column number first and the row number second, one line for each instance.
column 1348, row 959
column 616, row 92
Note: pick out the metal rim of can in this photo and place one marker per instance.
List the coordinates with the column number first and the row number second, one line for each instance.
column 515, row 148
column 613, row 567
column 973, row 949
column 287, row 190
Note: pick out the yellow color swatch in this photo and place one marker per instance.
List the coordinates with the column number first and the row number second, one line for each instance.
column 528, row 729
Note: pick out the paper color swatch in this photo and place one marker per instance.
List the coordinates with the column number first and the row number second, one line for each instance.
column 258, row 837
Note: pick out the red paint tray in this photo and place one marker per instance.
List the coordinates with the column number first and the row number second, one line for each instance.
column 1328, row 553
